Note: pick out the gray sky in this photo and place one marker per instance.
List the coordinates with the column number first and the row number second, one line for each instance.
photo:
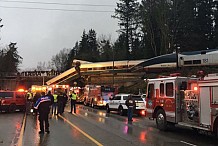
column 41, row 34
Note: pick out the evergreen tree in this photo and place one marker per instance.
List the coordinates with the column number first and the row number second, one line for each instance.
column 127, row 13
column 83, row 51
column 72, row 55
column 215, row 32
column 105, row 49
column 155, row 25
column 119, row 48
column 93, row 46
column 11, row 59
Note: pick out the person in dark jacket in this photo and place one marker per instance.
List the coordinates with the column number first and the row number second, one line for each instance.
column 43, row 105
column 130, row 103
column 65, row 99
column 61, row 101
column 35, row 98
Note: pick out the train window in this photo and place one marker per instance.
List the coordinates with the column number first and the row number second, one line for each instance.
column 187, row 62
column 161, row 89
column 89, row 68
column 169, row 89
column 196, row 61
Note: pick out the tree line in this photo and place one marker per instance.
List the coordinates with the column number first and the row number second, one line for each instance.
column 147, row 29
column 151, row 28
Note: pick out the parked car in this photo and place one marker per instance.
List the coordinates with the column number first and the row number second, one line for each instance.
column 12, row 101
column 117, row 103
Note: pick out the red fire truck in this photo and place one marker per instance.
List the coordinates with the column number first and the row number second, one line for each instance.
column 96, row 95
column 186, row 101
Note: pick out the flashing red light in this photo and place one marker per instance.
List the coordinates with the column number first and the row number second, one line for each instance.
column 20, row 90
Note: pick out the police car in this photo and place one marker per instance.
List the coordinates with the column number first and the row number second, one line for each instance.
column 117, row 103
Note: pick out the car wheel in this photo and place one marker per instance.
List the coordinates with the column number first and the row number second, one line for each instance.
column 12, row 108
column 120, row 111
column 161, row 120
column 107, row 108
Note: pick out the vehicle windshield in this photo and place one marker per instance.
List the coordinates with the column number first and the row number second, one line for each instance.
column 137, row 97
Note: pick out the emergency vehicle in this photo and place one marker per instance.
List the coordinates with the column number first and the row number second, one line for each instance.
column 191, row 102
column 96, row 95
column 79, row 92
column 59, row 89
column 38, row 88
column 10, row 101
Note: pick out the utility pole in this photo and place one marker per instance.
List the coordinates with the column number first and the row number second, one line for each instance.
column 113, row 65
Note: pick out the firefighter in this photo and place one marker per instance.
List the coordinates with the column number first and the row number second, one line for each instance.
column 73, row 102
column 55, row 103
column 43, row 105
column 130, row 103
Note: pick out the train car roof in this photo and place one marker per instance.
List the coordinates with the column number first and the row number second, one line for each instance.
column 209, row 51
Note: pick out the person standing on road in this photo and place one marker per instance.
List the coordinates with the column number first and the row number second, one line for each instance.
column 29, row 100
column 35, row 98
column 43, row 105
column 65, row 99
column 130, row 103
column 55, row 104
column 61, row 99
column 73, row 102
column 52, row 101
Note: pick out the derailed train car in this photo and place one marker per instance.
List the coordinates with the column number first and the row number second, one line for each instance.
column 171, row 61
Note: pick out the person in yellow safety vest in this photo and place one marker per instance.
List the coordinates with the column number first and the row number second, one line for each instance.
column 29, row 99
column 55, row 104
column 73, row 102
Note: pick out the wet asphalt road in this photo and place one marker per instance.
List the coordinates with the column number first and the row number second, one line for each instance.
column 95, row 127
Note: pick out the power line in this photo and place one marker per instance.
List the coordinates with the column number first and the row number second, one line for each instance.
column 49, row 9
column 54, row 3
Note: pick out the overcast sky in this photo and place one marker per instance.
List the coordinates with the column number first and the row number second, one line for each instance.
column 41, row 33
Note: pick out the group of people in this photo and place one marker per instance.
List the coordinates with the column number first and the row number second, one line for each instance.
column 44, row 103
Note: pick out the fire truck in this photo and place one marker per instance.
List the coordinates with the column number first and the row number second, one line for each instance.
column 79, row 92
column 59, row 89
column 96, row 95
column 191, row 102
column 38, row 88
